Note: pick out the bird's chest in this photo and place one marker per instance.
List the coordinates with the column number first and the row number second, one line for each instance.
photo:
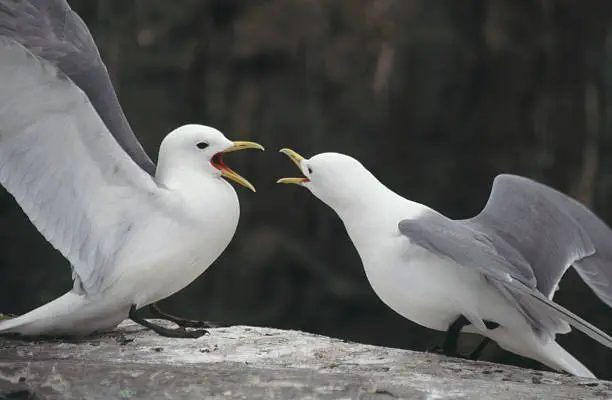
column 181, row 249
column 212, row 225
column 213, row 213
column 415, row 283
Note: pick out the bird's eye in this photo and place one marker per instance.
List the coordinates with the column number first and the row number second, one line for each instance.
column 202, row 145
column 309, row 170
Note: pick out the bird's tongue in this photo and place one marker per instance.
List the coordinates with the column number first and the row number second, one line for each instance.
column 217, row 162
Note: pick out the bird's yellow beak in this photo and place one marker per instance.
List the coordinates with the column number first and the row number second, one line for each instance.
column 227, row 172
column 297, row 159
column 243, row 146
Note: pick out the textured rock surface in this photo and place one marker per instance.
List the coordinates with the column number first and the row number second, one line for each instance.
column 256, row 363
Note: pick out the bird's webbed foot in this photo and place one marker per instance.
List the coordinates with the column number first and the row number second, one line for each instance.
column 182, row 322
column 179, row 332
column 449, row 353
column 474, row 355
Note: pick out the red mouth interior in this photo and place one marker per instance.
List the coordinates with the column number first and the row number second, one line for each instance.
column 217, row 162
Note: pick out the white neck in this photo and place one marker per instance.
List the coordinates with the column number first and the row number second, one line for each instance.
column 375, row 199
column 376, row 213
column 177, row 176
column 198, row 189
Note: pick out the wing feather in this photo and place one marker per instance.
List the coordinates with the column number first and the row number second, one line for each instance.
column 466, row 248
column 552, row 231
column 64, row 168
column 51, row 30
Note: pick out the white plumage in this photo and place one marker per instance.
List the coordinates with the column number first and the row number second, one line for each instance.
column 132, row 238
column 500, row 267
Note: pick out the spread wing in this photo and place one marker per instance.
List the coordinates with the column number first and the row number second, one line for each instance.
column 551, row 231
column 501, row 265
column 50, row 30
column 66, row 171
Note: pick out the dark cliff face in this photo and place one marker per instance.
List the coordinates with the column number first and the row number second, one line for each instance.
column 434, row 97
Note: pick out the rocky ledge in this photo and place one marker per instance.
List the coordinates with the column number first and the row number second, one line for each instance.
column 244, row 362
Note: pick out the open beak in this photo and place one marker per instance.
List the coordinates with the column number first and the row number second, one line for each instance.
column 227, row 172
column 297, row 160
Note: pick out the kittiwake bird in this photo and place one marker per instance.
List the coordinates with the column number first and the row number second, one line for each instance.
column 495, row 273
column 134, row 232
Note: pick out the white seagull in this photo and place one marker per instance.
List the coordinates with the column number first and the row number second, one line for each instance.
column 133, row 233
column 496, row 272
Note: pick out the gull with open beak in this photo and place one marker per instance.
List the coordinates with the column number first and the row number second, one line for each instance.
column 494, row 274
column 227, row 172
column 134, row 232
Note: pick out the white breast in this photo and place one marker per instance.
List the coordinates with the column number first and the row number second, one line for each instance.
column 432, row 291
column 169, row 253
column 413, row 282
column 413, row 285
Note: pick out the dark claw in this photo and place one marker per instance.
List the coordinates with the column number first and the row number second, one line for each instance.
column 179, row 332
column 189, row 323
column 196, row 333
column 436, row 350
column 440, row 350
column 185, row 323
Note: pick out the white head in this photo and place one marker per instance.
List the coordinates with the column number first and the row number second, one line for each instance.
column 199, row 148
column 336, row 179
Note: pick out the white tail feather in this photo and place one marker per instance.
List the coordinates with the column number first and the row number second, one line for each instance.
column 550, row 353
column 68, row 315
column 556, row 357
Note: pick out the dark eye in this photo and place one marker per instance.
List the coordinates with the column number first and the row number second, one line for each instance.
column 309, row 170
column 202, row 145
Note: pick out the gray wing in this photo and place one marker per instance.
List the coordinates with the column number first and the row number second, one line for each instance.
column 470, row 246
column 52, row 31
column 69, row 175
column 460, row 243
column 552, row 231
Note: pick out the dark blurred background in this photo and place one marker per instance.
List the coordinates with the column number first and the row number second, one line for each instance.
column 435, row 97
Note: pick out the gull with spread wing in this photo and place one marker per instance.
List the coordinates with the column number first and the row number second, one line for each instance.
column 134, row 233
column 494, row 274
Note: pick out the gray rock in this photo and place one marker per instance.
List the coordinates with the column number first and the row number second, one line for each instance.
column 243, row 362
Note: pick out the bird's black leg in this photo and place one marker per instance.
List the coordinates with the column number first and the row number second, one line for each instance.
column 451, row 340
column 180, row 332
column 185, row 323
column 474, row 355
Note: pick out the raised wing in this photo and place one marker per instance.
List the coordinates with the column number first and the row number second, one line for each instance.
column 459, row 243
column 52, row 31
column 552, row 231
column 467, row 245
column 66, row 171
